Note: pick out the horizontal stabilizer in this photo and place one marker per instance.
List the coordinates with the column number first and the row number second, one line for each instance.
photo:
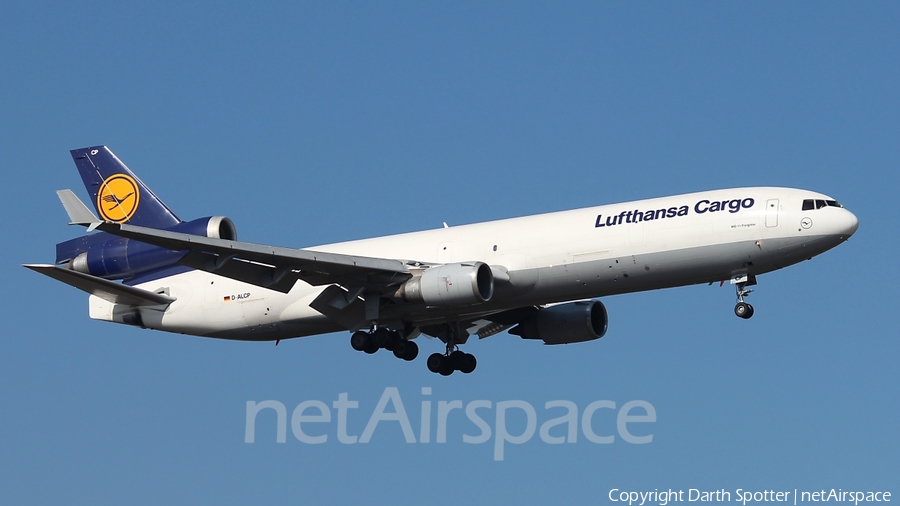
column 111, row 291
column 79, row 214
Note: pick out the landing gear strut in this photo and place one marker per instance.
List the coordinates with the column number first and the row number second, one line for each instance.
column 382, row 338
column 742, row 309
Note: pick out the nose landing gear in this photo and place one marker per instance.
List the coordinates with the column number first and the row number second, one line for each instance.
column 742, row 309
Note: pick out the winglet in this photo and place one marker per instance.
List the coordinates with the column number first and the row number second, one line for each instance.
column 79, row 214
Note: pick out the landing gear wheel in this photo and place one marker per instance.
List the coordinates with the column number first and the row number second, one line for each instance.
column 446, row 368
column 381, row 337
column 435, row 360
column 393, row 339
column 468, row 363
column 406, row 350
column 358, row 340
column 412, row 351
column 455, row 360
column 743, row 310
column 399, row 348
column 371, row 342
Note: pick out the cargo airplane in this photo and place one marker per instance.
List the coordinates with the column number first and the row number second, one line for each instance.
column 535, row 276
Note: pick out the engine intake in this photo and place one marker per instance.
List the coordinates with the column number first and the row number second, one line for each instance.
column 459, row 284
column 573, row 322
column 216, row 227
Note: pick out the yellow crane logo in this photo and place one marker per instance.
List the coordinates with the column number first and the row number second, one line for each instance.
column 118, row 198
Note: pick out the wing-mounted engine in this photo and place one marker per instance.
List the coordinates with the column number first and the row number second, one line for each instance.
column 573, row 322
column 460, row 284
column 111, row 257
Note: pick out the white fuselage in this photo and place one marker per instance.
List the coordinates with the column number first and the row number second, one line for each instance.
column 583, row 253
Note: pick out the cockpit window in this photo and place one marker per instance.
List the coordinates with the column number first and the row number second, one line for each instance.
column 811, row 204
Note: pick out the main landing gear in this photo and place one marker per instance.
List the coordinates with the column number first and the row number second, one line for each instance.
column 445, row 364
column 453, row 360
column 371, row 342
column 742, row 309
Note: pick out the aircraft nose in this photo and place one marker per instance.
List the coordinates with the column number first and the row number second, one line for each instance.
column 852, row 224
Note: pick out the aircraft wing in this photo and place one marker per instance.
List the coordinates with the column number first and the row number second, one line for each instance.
column 271, row 267
column 116, row 293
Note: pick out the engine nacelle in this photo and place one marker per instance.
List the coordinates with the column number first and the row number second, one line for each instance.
column 216, row 227
column 461, row 284
column 112, row 257
column 573, row 322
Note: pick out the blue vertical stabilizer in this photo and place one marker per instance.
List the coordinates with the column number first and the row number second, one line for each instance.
column 117, row 194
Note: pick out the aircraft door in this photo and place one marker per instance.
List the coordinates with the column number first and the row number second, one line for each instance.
column 772, row 213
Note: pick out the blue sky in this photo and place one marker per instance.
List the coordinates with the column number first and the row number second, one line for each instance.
column 309, row 123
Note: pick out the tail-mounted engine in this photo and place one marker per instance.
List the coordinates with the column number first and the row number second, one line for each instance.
column 573, row 322
column 107, row 256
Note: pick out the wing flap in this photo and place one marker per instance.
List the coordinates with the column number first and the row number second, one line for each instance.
column 111, row 291
column 340, row 306
column 266, row 276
